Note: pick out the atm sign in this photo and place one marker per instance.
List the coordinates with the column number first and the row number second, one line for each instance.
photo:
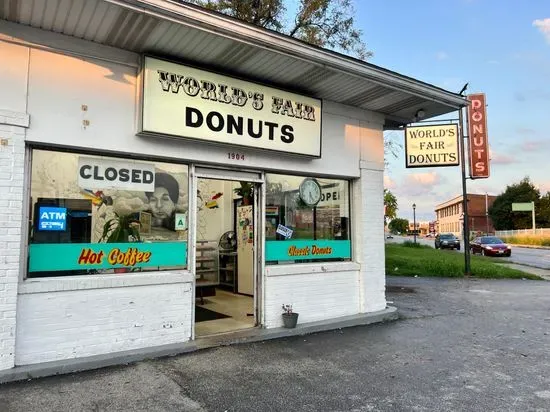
column 52, row 218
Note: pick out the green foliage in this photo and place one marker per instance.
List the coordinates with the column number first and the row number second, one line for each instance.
column 390, row 205
column 534, row 240
column 501, row 210
column 399, row 225
column 542, row 211
column 325, row 23
column 121, row 229
column 245, row 190
column 402, row 260
column 409, row 243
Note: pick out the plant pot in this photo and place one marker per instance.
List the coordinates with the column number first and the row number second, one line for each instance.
column 290, row 320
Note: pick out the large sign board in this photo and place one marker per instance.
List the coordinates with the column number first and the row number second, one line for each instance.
column 523, row 207
column 431, row 146
column 186, row 102
column 478, row 138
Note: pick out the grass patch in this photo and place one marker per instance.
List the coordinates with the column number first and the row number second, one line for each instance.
column 535, row 240
column 406, row 260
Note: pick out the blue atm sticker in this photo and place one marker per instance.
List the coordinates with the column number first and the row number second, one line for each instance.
column 52, row 218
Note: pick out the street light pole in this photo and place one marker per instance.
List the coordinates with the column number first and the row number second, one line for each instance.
column 414, row 221
column 466, row 222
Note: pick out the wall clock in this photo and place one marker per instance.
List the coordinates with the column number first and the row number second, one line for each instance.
column 310, row 191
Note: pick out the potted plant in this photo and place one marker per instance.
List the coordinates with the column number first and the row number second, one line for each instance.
column 290, row 318
column 121, row 229
column 245, row 191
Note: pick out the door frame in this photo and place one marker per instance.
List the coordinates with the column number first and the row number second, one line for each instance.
column 197, row 172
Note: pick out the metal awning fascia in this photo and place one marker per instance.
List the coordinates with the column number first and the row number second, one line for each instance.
column 237, row 30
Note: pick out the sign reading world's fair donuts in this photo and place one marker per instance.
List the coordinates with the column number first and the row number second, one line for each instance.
column 185, row 102
column 430, row 146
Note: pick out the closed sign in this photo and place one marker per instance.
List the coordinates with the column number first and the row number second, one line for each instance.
column 99, row 173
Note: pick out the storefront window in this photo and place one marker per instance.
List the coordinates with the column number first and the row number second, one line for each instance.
column 97, row 214
column 307, row 219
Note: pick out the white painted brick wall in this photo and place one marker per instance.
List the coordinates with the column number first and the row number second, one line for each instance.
column 315, row 296
column 369, row 201
column 77, row 323
column 12, row 132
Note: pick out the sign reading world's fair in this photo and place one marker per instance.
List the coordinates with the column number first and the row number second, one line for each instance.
column 185, row 102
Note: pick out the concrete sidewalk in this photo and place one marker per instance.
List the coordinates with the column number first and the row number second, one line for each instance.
column 461, row 345
column 245, row 336
column 543, row 273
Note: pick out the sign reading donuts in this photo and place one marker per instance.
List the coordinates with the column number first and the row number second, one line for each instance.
column 186, row 102
column 478, row 137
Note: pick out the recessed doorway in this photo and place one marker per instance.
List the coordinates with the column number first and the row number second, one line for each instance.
column 225, row 255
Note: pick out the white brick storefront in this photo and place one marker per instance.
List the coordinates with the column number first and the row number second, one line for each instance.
column 12, row 167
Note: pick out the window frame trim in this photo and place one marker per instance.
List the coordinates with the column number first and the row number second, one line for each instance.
column 27, row 189
column 351, row 230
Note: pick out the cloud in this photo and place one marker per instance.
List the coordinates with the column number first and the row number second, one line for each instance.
column 389, row 183
column 500, row 159
column 496, row 62
column 525, row 130
column 544, row 27
column 533, row 145
column 544, row 187
column 416, row 184
column 423, row 179
column 441, row 55
column 531, row 95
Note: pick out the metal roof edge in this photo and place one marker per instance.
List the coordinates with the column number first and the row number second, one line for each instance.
column 233, row 28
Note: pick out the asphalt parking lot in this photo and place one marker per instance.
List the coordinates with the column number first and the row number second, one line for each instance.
column 460, row 345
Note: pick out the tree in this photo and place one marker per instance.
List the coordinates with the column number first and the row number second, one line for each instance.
column 324, row 23
column 501, row 211
column 399, row 225
column 542, row 211
column 390, row 205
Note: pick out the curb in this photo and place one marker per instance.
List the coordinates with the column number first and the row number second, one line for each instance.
column 41, row 370
column 525, row 264
column 530, row 246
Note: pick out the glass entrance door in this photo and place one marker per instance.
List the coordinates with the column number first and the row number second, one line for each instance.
column 226, row 251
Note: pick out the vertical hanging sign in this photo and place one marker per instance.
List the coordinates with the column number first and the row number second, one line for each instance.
column 478, row 138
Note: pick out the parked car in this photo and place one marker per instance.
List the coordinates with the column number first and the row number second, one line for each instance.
column 490, row 246
column 447, row 241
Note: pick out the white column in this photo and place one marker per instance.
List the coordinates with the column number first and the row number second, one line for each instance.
column 12, row 167
column 369, row 206
column 368, row 222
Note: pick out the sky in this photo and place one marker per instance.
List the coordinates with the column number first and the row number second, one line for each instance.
column 501, row 48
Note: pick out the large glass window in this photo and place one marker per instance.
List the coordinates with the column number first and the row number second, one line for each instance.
column 307, row 219
column 97, row 214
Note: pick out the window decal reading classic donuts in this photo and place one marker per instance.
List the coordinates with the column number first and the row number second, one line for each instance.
column 307, row 249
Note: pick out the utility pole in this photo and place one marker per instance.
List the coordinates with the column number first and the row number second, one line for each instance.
column 466, row 227
column 487, row 214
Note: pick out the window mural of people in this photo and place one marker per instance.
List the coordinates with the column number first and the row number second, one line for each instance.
column 163, row 201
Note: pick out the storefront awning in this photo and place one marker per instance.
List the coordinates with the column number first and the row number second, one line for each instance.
column 204, row 38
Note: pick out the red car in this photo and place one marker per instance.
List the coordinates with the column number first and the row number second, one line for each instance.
column 490, row 246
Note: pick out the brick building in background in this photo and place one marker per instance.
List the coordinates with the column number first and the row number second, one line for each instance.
column 449, row 214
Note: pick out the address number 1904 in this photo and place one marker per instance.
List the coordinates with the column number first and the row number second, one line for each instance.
column 235, row 156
